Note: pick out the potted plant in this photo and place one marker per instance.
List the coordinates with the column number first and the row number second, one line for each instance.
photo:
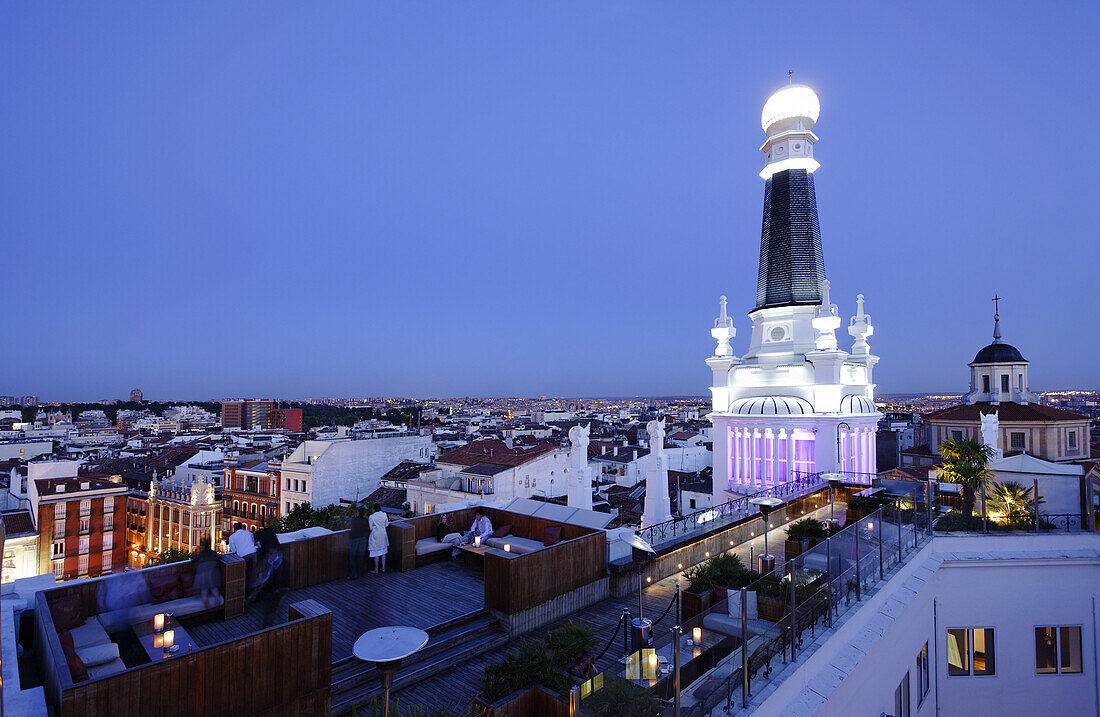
column 860, row 506
column 697, row 596
column 803, row 535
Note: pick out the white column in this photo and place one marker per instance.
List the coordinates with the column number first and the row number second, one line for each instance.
column 790, row 455
column 775, row 457
column 753, row 457
column 722, row 470
column 735, row 456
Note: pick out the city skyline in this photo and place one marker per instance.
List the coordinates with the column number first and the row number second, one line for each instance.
column 550, row 202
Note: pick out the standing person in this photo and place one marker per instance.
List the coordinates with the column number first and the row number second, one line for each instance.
column 243, row 543
column 269, row 569
column 206, row 573
column 357, row 544
column 379, row 542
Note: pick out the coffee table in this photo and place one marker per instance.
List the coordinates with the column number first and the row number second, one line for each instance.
column 151, row 640
column 474, row 555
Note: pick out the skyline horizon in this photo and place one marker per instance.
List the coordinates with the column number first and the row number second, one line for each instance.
column 304, row 198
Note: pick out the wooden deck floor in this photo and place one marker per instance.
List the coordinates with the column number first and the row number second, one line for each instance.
column 456, row 688
column 420, row 598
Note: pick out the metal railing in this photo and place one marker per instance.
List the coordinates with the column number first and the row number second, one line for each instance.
column 729, row 512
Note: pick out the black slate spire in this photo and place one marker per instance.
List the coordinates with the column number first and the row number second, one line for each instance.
column 791, row 263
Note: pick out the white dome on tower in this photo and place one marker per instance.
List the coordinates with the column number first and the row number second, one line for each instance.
column 791, row 102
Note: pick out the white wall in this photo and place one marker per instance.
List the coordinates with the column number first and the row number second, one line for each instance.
column 350, row 468
column 29, row 450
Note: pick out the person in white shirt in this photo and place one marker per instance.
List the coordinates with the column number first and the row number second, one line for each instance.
column 243, row 543
column 481, row 528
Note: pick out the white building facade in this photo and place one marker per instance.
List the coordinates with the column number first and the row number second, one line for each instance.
column 795, row 403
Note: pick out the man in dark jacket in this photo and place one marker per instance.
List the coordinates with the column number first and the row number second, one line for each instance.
column 357, row 544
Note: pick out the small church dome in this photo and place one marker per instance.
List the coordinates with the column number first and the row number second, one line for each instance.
column 857, row 404
column 999, row 353
column 771, row 406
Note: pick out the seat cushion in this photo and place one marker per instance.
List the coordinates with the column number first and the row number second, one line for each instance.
column 429, row 545
column 77, row 670
column 553, row 535
column 185, row 606
column 88, row 634
column 515, row 544
column 735, row 604
column 164, row 587
column 502, row 531
column 100, row 654
column 106, row 669
column 67, row 612
column 128, row 616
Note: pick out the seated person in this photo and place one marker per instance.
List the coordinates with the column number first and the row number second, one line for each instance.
column 445, row 532
column 481, row 528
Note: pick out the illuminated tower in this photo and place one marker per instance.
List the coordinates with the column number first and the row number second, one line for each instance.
column 795, row 403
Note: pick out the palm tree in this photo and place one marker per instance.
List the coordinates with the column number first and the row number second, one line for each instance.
column 1012, row 500
column 964, row 462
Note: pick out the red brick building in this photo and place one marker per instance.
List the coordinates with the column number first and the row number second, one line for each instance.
column 288, row 418
column 81, row 523
column 264, row 414
column 250, row 490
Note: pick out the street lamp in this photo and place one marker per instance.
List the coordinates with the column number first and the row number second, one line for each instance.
column 766, row 506
column 834, row 480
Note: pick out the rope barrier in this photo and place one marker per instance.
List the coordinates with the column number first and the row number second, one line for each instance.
column 665, row 613
column 611, row 641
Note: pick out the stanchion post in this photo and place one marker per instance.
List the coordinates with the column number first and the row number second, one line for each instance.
column 744, row 648
column 859, row 575
column 881, row 571
column 676, row 633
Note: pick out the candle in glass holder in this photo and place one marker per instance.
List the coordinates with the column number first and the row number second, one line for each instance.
column 169, row 639
column 477, row 541
column 158, row 640
column 653, row 665
column 507, row 548
column 696, row 635
column 158, row 622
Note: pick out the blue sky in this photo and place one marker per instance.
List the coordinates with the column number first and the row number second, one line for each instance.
column 517, row 198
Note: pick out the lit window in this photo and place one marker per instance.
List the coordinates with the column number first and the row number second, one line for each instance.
column 970, row 652
column 1058, row 649
column 1016, row 439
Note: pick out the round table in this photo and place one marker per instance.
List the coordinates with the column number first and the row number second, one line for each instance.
column 386, row 647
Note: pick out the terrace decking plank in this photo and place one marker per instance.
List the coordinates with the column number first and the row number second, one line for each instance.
column 420, row 598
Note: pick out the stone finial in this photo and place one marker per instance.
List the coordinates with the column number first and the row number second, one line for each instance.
column 723, row 330
column 859, row 328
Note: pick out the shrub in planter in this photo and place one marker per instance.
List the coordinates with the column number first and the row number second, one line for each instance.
column 803, row 535
column 543, row 662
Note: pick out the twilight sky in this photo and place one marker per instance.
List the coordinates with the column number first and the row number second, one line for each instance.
column 516, row 198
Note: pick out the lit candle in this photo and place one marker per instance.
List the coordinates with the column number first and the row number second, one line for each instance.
column 696, row 635
column 158, row 622
column 477, row 541
column 653, row 664
column 158, row 640
column 507, row 548
column 169, row 638
column 870, row 526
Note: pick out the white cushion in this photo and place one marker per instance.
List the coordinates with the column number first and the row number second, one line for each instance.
column 735, row 603
column 429, row 545
column 452, row 539
column 185, row 606
column 100, row 654
column 106, row 669
column 88, row 634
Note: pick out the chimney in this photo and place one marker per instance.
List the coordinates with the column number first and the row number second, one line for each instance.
column 635, row 454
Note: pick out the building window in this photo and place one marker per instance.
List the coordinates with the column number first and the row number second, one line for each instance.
column 288, row 506
column 109, row 521
column 691, row 502
column 957, row 435
column 58, row 549
column 85, row 525
column 86, row 507
column 59, row 510
column 901, row 698
column 985, row 383
column 922, row 674
column 107, row 563
column 82, row 565
column 1058, row 649
column 59, row 569
column 109, row 504
column 1020, row 381
column 108, row 541
column 1004, row 383
column 970, row 651
column 1016, row 439
column 1071, row 440
column 85, row 544
column 59, row 529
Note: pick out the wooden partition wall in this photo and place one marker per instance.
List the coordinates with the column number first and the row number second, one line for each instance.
column 311, row 561
column 515, row 582
column 281, row 670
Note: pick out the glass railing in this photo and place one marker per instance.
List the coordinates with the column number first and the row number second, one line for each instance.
column 744, row 641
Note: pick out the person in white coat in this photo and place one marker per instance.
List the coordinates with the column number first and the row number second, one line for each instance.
column 378, row 543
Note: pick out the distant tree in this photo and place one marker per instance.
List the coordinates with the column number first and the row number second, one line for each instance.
column 171, row 555
column 303, row 515
column 965, row 462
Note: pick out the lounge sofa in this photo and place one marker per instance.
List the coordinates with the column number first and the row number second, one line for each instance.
column 728, row 621
column 429, row 547
column 515, row 544
column 89, row 651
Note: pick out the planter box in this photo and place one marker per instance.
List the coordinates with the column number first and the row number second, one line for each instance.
column 771, row 609
column 851, row 516
column 692, row 604
column 527, row 701
column 793, row 548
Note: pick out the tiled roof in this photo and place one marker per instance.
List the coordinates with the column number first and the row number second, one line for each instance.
column 48, row 486
column 406, row 470
column 683, row 435
column 18, row 522
column 388, row 497
column 1006, row 412
column 493, row 451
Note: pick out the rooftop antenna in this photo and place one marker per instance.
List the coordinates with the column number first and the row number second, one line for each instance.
column 790, row 77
